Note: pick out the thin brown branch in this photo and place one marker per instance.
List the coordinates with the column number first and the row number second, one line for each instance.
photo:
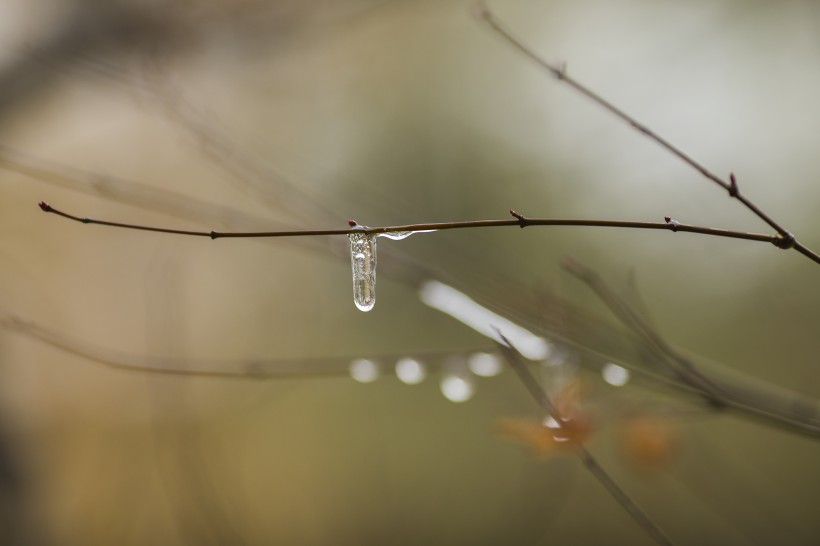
column 627, row 503
column 786, row 239
column 520, row 221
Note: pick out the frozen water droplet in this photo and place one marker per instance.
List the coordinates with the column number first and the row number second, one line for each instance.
column 615, row 375
column 399, row 235
column 364, row 371
column 410, row 371
column 484, row 364
column 457, row 388
column 363, row 263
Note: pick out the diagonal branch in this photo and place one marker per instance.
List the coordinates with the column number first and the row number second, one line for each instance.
column 715, row 390
column 786, row 239
column 641, row 518
column 681, row 365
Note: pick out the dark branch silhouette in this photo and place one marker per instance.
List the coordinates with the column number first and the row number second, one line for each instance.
column 786, row 239
column 520, row 221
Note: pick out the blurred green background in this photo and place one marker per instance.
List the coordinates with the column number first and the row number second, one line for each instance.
column 258, row 115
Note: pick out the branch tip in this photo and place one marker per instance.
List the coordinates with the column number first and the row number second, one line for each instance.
column 45, row 207
column 559, row 72
column 522, row 220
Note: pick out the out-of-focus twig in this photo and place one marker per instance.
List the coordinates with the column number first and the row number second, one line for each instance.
column 516, row 361
column 254, row 369
column 682, row 366
column 719, row 393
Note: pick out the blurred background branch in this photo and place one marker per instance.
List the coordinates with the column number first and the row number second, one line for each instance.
column 252, row 115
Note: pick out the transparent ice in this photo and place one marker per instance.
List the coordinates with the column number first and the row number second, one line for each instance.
column 399, row 235
column 363, row 263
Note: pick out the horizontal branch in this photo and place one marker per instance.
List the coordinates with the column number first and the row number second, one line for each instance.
column 246, row 368
column 520, row 221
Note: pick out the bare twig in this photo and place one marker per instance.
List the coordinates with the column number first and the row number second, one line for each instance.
column 255, row 369
column 681, row 365
column 520, row 221
column 719, row 393
column 531, row 384
column 785, row 239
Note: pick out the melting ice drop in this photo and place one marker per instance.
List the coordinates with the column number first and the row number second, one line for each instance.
column 363, row 263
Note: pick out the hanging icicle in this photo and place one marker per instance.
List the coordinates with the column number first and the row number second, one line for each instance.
column 363, row 262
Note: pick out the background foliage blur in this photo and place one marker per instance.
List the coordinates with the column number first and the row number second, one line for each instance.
column 259, row 115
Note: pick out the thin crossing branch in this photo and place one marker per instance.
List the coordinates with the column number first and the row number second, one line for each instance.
column 681, row 365
column 516, row 362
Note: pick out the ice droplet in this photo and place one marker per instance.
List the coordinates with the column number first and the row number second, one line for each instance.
column 410, row 371
column 484, row 364
column 457, row 388
column 399, row 235
column 615, row 375
column 363, row 263
column 364, row 371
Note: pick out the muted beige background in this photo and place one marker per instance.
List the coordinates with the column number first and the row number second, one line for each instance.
column 305, row 114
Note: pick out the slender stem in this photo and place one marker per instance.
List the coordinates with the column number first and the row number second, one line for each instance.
column 595, row 468
column 641, row 518
column 681, row 365
column 787, row 239
column 520, row 221
column 242, row 368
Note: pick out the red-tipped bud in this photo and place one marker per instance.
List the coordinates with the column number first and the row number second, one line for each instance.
column 45, row 207
column 352, row 223
column 519, row 217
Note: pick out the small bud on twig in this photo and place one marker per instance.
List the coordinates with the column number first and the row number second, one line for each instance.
column 672, row 222
column 733, row 189
column 522, row 221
